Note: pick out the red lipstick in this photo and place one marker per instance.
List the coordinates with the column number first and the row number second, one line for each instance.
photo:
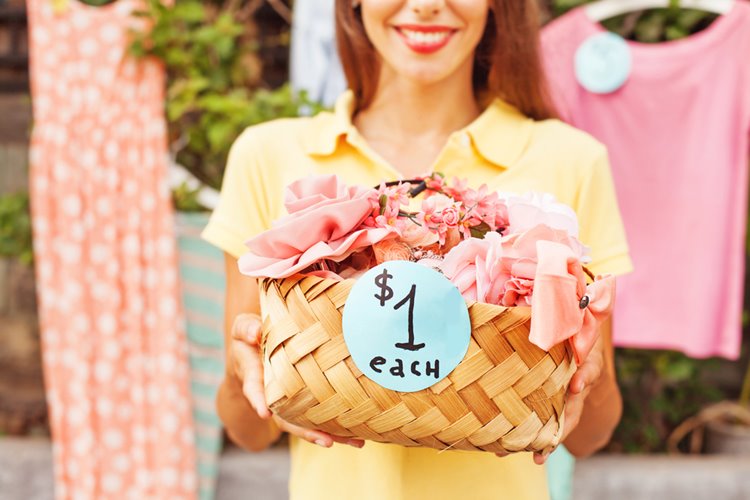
column 425, row 39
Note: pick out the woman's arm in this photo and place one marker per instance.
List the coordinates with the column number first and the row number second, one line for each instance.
column 241, row 399
column 595, row 403
column 241, row 421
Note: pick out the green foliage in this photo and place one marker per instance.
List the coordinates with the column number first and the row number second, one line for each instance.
column 15, row 227
column 214, row 81
column 97, row 3
column 185, row 199
column 650, row 26
column 660, row 390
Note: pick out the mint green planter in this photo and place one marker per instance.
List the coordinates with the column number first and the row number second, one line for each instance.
column 202, row 281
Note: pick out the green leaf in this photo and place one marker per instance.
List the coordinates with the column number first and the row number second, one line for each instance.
column 676, row 32
column 220, row 135
column 651, row 27
column 15, row 227
column 480, row 230
column 383, row 200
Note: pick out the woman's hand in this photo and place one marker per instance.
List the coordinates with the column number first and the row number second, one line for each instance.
column 587, row 375
column 247, row 366
column 596, row 374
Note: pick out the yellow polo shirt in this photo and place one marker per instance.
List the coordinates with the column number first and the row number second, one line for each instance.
column 501, row 148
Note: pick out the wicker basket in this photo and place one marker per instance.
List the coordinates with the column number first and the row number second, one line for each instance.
column 506, row 395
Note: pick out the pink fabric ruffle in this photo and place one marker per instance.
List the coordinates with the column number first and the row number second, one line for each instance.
column 324, row 215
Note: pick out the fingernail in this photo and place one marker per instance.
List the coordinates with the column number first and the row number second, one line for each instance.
column 356, row 444
column 321, row 442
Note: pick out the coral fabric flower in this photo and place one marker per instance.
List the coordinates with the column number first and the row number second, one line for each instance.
column 388, row 250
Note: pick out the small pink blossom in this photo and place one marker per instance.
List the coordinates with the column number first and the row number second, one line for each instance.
column 457, row 189
column 439, row 214
column 450, row 216
column 435, row 204
column 387, row 203
column 435, row 183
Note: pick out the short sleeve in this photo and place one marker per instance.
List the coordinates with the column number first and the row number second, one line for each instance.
column 243, row 209
column 599, row 218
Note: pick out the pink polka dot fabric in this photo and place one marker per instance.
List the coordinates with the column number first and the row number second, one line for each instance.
column 112, row 333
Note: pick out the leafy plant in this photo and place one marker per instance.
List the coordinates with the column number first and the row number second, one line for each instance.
column 647, row 26
column 214, row 80
column 15, row 227
column 660, row 390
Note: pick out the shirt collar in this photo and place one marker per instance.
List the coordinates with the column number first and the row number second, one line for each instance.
column 500, row 134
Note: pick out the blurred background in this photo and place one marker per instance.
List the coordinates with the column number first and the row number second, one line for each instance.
column 227, row 67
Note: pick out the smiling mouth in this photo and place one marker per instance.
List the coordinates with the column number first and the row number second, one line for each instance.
column 425, row 39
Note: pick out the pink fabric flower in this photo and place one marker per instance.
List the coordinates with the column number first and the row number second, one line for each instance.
column 517, row 292
column 533, row 208
column 520, row 250
column 323, row 223
column 476, row 268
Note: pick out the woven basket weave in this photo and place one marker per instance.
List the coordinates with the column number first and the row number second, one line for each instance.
column 506, row 395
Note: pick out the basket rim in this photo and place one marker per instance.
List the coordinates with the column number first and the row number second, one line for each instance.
column 349, row 282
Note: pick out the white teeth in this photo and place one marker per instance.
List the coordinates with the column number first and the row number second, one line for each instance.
column 425, row 38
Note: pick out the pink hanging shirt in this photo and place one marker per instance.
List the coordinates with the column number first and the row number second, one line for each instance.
column 677, row 133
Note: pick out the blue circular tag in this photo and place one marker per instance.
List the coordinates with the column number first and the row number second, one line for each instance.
column 603, row 63
column 406, row 326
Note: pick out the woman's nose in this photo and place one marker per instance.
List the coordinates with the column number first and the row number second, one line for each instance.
column 426, row 8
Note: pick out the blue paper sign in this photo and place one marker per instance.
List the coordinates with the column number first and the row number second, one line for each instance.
column 406, row 326
column 603, row 63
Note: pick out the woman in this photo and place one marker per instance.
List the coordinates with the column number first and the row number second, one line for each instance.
column 453, row 86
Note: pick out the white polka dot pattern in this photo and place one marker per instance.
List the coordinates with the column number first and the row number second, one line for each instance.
column 114, row 346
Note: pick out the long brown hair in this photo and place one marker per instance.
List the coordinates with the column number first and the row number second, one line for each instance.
column 507, row 61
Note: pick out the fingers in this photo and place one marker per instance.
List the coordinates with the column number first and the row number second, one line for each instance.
column 540, row 458
column 573, row 411
column 246, row 333
column 250, row 365
column 357, row 443
column 247, row 328
column 587, row 374
column 317, row 437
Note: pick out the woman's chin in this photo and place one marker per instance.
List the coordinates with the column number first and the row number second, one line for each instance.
column 424, row 76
